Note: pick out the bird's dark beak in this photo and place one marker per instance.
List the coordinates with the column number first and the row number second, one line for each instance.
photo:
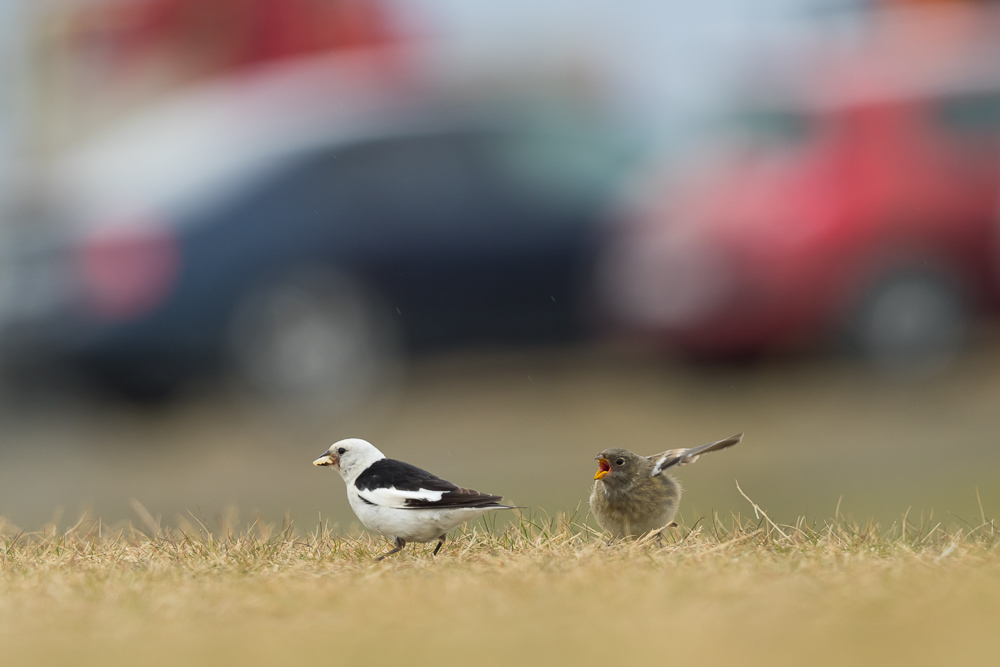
column 327, row 459
column 604, row 468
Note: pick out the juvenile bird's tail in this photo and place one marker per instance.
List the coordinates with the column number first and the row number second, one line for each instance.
column 678, row 457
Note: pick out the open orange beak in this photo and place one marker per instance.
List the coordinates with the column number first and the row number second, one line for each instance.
column 604, row 468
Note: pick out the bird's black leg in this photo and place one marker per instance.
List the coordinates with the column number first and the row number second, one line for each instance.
column 440, row 544
column 400, row 543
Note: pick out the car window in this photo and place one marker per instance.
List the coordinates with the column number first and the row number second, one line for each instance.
column 772, row 125
column 423, row 179
column 560, row 169
column 973, row 112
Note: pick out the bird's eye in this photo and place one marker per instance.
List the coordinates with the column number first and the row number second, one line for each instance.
column 620, row 462
column 341, row 450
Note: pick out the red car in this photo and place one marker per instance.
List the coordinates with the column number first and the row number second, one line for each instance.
column 865, row 211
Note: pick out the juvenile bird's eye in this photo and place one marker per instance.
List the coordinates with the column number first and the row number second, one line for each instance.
column 620, row 462
column 341, row 450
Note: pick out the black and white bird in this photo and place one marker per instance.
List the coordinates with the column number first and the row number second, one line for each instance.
column 399, row 500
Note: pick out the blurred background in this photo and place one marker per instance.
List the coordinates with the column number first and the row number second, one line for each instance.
column 494, row 240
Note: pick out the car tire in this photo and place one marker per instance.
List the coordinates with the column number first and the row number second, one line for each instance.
column 313, row 335
column 911, row 322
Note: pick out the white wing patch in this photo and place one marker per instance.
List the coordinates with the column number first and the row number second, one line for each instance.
column 678, row 457
column 390, row 496
column 669, row 459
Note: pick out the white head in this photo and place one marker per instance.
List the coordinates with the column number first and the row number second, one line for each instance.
column 350, row 457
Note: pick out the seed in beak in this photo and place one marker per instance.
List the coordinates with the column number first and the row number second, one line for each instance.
column 327, row 460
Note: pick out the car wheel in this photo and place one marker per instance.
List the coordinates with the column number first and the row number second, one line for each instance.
column 912, row 322
column 313, row 335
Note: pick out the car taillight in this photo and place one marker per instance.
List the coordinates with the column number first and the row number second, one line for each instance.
column 127, row 272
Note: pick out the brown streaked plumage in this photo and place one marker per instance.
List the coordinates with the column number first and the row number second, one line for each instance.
column 634, row 496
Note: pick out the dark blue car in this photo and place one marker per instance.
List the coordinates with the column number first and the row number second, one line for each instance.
column 309, row 266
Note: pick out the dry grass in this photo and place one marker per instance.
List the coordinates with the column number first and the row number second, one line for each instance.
column 721, row 591
column 537, row 591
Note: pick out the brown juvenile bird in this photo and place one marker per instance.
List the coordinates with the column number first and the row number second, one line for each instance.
column 634, row 495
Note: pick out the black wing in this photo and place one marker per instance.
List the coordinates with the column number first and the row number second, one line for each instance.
column 389, row 474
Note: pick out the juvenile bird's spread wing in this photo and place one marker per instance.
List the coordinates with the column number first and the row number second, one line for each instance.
column 391, row 483
column 678, row 457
